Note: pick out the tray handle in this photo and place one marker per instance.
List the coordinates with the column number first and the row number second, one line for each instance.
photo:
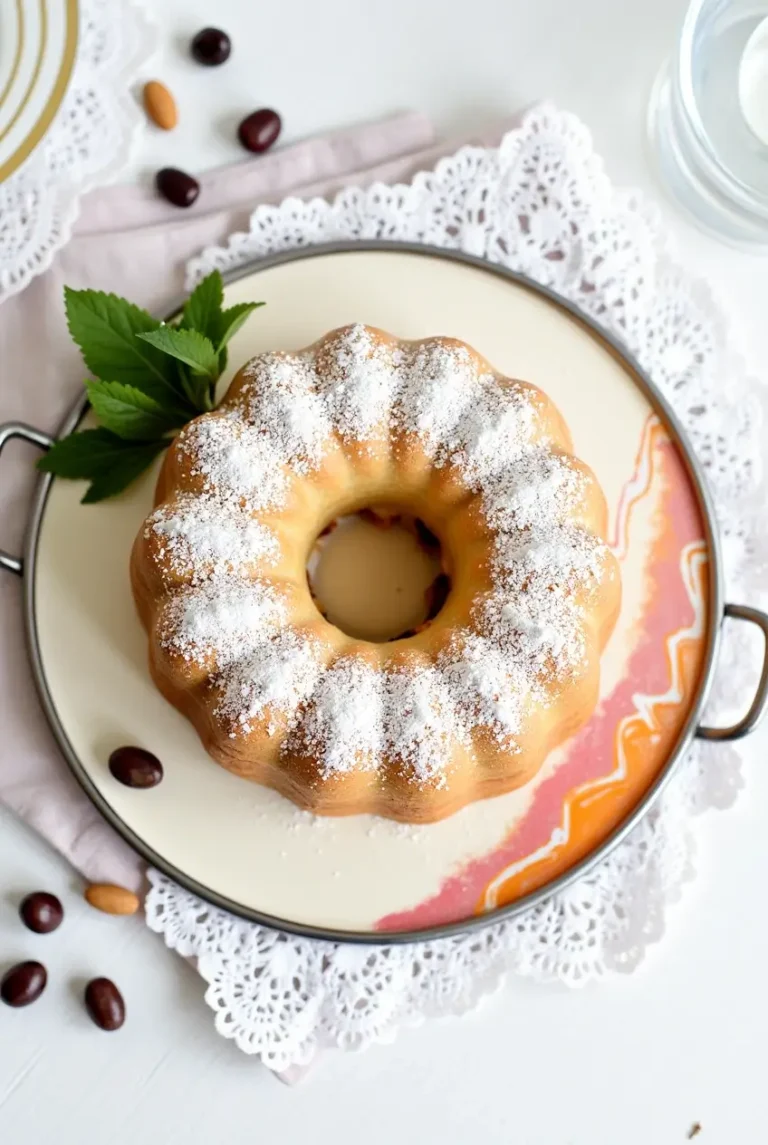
column 757, row 708
column 35, row 437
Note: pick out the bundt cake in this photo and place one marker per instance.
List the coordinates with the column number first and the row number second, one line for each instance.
column 415, row 728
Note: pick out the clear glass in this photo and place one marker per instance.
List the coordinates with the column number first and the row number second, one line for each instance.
column 712, row 160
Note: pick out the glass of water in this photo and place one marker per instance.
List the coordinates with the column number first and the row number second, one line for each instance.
column 709, row 119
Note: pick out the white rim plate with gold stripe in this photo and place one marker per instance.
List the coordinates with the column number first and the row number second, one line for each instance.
column 38, row 44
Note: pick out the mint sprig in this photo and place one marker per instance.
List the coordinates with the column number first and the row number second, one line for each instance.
column 132, row 414
column 202, row 309
column 188, row 346
column 229, row 321
column 105, row 328
column 109, row 462
column 150, row 378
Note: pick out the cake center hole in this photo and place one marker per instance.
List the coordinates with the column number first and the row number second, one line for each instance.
column 378, row 574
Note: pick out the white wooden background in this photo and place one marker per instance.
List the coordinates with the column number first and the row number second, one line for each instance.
column 635, row 1061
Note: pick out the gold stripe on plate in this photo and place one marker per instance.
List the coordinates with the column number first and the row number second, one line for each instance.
column 19, row 53
column 57, row 92
column 35, row 73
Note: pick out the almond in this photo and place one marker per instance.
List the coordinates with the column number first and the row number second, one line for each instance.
column 160, row 105
column 112, row 899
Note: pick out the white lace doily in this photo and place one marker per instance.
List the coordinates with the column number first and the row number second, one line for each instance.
column 88, row 142
column 540, row 203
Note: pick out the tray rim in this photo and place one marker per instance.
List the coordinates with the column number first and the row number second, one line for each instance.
column 716, row 612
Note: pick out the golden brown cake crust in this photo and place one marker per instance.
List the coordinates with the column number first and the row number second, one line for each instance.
column 416, row 728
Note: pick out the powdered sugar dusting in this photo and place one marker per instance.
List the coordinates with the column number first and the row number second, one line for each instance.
column 221, row 618
column 489, row 689
column 280, row 402
column 543, row 633
column 535, row 614
column 423, row 724
column 539, row 490
column 439, row 383
column 235, row 461
column 343, row 726
column 205, row 535
column 527, row 631
column 355, row 376
column 271, row 680
column 562, row 554
column 491, row 432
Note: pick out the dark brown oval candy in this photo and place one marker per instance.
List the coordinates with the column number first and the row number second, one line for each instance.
column 211, row 47
column 23, row 983
column 177, row 186
column 105, row 1004
column 41, row 912
column 135, row 767
column 260, row 129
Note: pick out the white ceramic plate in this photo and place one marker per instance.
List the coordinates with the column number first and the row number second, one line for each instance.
column 250, row 849
column 38, row 42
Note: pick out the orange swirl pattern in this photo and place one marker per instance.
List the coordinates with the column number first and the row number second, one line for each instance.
column 594, row 810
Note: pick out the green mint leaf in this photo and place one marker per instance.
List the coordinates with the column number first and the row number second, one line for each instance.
column 198, row 387
column 87, row 454
column 97, row 455
column 232, row 319
column 105, row 328
column 202, row 310
column 127, row 464
column 130, row 413
column 194, row 349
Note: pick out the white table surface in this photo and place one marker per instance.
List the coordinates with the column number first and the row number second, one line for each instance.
column 634, row 1061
